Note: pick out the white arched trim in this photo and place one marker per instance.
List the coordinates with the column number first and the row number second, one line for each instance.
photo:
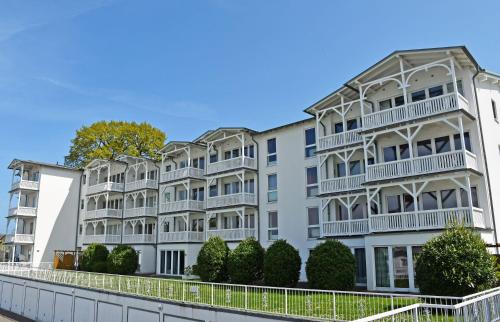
column 426, row 68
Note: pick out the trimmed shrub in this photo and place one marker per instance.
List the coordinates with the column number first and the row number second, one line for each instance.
column 455, row 263
column 331, row 266
column 211, row 263
column 93, row 257
column 245, row 262
column 281, row 264
column 123, row 259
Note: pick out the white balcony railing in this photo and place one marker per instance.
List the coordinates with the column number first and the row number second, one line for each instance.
column 103, row 239
column 181, row 236
column 342, row 184
column 23, row 211
column 427, row 219
column 232, row 200
column 182, row 174
column 346, row 227
column 102, row 213
column 20, row 238
column 25, row 184
column 232, row 234
column 182, row 205
column 453, row 160
column 231, row 164
column 140, row 212
column 339, row 139
column 105, row 187
column 137, row 238
column 428, row 107
column 141, row 184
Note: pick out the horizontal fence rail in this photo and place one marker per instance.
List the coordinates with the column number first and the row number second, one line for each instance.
column 292, row 302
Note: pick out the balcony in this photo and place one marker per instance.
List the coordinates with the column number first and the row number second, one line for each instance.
column 139, row 239
column 181, row 236
column 102, row 213
column 428, row 219
column 231, row 164
column 346, row 227
column 25, row 184
column 236, row 199
column 20, row 238
column 232, row 234
column 338, row 140
column 342, row 184
column 23, row 211
column 140, row 212
column 141, row 184
column 183, row 173
column 105, row 187
column 102, row 239
column 454, row 160
column 182, row 205
column 411, row 111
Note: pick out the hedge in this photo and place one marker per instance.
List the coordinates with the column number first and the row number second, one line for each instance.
column 123, row 259
column 245, row 262
column 281, row 265
column 211, row 263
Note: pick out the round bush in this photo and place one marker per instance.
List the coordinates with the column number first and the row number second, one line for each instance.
column 211, row 263
column 281, row 264
column 245, row 262
column 455, row 263
column 92, row 256
column 123, row 259
column 331, row 266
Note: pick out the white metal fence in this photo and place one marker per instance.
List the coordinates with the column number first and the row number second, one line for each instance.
column 303, row 303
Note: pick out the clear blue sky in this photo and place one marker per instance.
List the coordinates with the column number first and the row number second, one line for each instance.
column 187, row 66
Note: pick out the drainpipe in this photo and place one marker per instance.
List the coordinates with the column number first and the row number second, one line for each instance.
column 256, row 187
column 78, row 219
column 478, row 70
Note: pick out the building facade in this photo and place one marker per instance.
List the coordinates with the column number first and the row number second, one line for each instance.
column 386, row 162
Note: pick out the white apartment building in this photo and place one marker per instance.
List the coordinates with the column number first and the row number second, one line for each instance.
column 41, row 217
column 386, row 162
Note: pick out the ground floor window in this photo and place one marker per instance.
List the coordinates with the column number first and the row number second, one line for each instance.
column 395, row 266
column 360, row 256
column 172, row 262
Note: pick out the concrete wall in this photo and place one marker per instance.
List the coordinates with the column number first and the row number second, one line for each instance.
column 52, row 302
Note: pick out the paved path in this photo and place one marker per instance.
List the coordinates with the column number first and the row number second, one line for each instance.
column 11, row 317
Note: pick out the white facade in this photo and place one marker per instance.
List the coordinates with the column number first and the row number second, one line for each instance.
column 42, row 211
column 387, row 161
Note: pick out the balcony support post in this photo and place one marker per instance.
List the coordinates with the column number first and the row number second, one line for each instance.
column 403, row 80
column 453, row 76
column 462, row 134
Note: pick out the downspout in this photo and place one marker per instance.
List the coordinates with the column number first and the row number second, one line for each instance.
column 256, row 187
column 478, row 70
column 78, row 219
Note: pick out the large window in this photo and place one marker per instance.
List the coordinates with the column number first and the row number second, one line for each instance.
column 418, row 96
column 458, row 142
column 272, row 156
column 312, row 222
column 360, row 256
column 424, row 148
column 400, row 267
column 393, row 204
column 355, row 167
column 272, row 187
column 464, row 197
column 272, row 232
column 448, row 198
column 382, row 278
column 310, row 142
column 390, row 154
column 443, row 144
column 429, row 200
column 311, row 182
column 172, row 262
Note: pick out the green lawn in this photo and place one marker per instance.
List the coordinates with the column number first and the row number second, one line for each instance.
column 303, row 303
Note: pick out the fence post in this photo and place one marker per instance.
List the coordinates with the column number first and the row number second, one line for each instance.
column 137, row 286
column 334, row 308
column 212, row 295
column 183, row 291
column 392, row 307
column 119, row 283
column 246, row 297
column 286, row 301
column 159, row 288
column 415, row 315
column 89, row 279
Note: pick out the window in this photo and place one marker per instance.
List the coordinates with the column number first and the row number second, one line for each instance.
column 494, row 108
column 400, row 267
column 84, row 179
column 448, row 198
column 172, row 262
column 212, row 223
column 168, row 168
column 213, row 157
column 443, row 144
column 213, row 190
column 450, row 88
column 458, row 142
column 250, row 186
column 82, row 204
column 385, row 105
column 429, row 200
column 436, row 91
column 311, row 182
column 465, row 198
column 415, row 251
column 339, row 127
column 382, row 278
column 249, row 151
column 198, row 194
column 404, row 151
column 227, row 155
column 408, row 203
column 182, row 195
column 312, row 222
column 393, row 204
column 183, row 164
column 341, row 169
column 352, row 124
column 398, row 101
column 272, row 232
column 424, row 148
column 250, row 221
column 357, row 211
column 80, row 229
column 342, row 213
column 310, row 142
column 272, row 157
column 418, row 96
column 390, row 154
column 360, row 256
column 272, row 187
column 355, row 167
